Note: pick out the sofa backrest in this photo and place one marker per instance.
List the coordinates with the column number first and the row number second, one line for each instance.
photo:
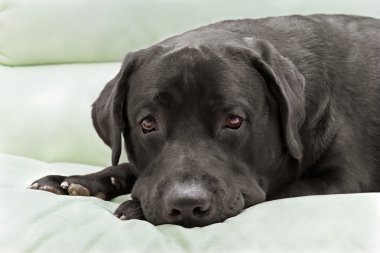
column 45, row 110
column 73, row 31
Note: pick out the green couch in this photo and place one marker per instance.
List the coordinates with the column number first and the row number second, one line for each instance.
column 55, row 57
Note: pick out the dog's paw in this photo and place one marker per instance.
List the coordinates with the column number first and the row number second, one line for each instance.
column 50, row 183
column 63, row 186
column 100, row 186
column 89, row 185
column 130, row 209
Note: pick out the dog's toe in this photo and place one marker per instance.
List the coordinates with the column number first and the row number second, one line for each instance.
column 34, row 186
column 64, row 185
column 130, row 209
column 78, row 190
column 52, row 189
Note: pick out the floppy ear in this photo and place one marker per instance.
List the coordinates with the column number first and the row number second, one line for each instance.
column 107, row 110
column 287, row 86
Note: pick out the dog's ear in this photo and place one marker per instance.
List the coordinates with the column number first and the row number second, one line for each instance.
column 107, row 110
column 287, row 85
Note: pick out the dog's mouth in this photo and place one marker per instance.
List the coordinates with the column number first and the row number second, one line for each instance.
column 132, row 209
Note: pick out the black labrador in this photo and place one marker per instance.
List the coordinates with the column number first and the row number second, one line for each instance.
column 235, row 113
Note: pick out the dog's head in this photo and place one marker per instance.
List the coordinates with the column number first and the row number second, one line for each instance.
column 208, row 123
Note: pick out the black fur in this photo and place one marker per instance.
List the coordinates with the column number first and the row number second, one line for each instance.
column 307, row 87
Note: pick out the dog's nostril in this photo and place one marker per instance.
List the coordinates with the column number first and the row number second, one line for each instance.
column 199, row 211
column 175, row 212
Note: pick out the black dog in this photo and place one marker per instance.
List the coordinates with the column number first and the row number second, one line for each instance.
column 232, row 114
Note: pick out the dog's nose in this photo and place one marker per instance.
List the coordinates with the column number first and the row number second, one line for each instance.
column 188, row 205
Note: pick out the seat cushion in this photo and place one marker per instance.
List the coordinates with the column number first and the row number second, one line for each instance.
column 37, row 221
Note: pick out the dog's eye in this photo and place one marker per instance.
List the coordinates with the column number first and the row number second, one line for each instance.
column 148, row 124
column 233, row 121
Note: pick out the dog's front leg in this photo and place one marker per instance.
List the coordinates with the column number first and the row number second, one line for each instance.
column 106, row 184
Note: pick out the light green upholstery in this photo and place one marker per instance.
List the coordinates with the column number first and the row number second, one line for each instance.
column 36, row 221
column 46, row 111
column 66, row 31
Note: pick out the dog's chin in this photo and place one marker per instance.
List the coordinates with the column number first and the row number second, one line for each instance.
column 221, row 213
column 133, row 209
column 191, row 224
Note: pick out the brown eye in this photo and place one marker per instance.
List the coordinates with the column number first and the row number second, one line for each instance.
column 233, row 121
column 148, row 124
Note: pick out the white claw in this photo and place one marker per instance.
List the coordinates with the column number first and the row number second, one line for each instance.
column 33, row 186
column 113, row 180
column 65, row 185
column 123, row 217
